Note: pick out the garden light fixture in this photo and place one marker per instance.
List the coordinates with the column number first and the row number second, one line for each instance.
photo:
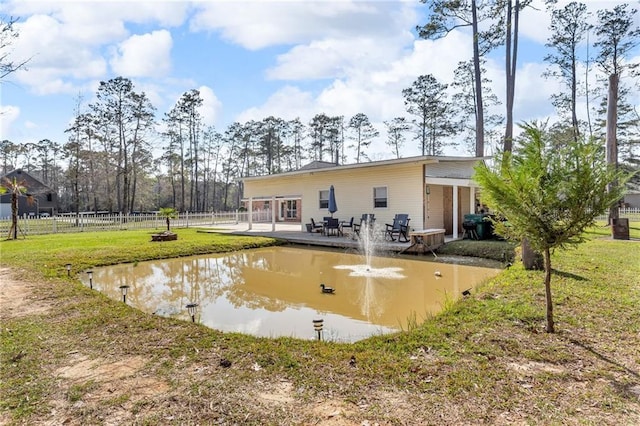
column 123, row 290
column 192, row 308
column 317, row 326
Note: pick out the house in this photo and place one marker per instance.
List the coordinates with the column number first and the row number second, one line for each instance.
column 44, row 199
column 632, row 199
column 436, row 192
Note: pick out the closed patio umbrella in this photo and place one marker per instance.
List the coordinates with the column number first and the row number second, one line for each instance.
column 333, row 207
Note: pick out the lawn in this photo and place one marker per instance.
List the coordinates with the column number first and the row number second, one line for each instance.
column 71, row 355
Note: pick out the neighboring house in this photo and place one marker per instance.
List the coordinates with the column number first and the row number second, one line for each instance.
column 44, row 199
column 632, row 199
column 436, row 192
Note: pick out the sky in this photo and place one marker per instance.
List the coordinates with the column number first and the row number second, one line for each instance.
column 250, row 60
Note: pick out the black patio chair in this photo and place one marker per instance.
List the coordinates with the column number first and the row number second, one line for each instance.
column 316, row 227
column 345, row 224
column 367, row 219
column 399, row 227
column 332, row 227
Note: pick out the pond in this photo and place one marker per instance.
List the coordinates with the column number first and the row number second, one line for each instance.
column 275, row 291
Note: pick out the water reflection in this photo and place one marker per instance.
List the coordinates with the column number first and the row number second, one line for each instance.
column 276, row 291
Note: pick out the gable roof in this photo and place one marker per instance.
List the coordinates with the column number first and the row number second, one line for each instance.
column 422, row 159
column 315, row 165
column 21, row 174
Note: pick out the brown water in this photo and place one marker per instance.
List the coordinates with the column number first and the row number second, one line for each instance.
column 276, row 291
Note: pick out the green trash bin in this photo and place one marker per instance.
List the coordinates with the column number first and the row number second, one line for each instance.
column 483, row 228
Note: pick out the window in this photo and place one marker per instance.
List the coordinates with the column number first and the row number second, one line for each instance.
column 49, row 197
column 291, row 209
column 324, row 199
column 380, row 197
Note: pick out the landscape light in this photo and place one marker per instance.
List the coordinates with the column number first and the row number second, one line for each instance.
column 123, row 290
column 68, row 266
column 317, row 326
column 192, row 308
column 90, row 274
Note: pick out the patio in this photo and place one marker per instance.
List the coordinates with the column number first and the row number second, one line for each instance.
column 292, row 232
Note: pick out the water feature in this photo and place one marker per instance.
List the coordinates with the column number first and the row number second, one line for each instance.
column 275, row 291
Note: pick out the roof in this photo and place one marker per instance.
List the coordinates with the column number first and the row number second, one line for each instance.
column 422, row 159
column 21, row 174
column 315, row 165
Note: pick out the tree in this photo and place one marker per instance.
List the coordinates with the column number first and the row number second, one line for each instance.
column 8, row 34
column 168, row 213
column 465, row 102
column 548, row 194
column 569, row 28
column 128, row 118
column 396, row 128
column 325, row 132
column 447, row 15
column 364, row 133
column 509, row 24
column 16, row 188
column 426, row 99
column 616, row 38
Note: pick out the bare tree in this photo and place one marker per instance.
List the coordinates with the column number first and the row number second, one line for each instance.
column 8, row 34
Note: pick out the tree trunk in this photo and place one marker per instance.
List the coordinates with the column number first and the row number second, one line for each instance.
column 13, row 232
column 547, row 286
column 531, row 260
column 477, row 72
column 612, row 143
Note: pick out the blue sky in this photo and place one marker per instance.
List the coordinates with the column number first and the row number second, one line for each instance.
column 250, row 59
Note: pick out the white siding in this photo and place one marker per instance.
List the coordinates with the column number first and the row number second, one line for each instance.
column 354, row 191
column 451, row 169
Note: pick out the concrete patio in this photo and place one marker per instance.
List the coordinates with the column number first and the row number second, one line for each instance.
column 293, row 233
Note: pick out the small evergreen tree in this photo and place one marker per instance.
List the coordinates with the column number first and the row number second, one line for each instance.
column 548, row 194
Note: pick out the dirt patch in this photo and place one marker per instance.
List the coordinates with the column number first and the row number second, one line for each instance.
column 280, row 395
column 17, row 299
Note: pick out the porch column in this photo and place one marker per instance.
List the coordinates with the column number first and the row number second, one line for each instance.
column 472, row 199
column 274, row 211
column 250, row 212
column 455, row 211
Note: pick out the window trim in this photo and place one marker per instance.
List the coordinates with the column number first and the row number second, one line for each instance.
column 379, row 199
column 323, row 203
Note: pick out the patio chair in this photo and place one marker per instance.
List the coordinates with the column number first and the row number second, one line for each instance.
column 316, row 227
column 399, row 227
column 332, row 227
column 345, row 224
column 367, row 219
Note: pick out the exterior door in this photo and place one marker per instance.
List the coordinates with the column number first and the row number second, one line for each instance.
column 447, row 209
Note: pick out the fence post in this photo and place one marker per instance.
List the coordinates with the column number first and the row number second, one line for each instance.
column 54, row 225
column 187, row 218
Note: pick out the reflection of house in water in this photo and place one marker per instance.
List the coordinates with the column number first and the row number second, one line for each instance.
column 275, row 291
column 45, row 200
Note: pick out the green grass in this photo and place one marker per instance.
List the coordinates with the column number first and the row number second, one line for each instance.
column 50, row 253
column 483, row 358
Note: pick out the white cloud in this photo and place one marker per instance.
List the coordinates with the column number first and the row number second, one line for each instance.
column 211, row 105
column 8, row 115
column 147, row 55
column 255, row 25
column 66, row 40
column 54, row 56
column 287, row 103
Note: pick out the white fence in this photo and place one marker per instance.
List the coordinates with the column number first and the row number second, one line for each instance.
column 110, row 222
column 631, row 213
